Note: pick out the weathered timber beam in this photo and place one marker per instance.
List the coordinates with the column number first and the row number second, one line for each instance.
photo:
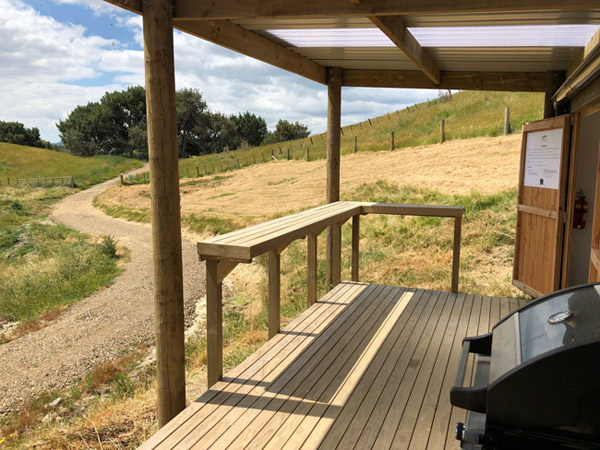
column 234, row 37
column 235, row 9
column 478, row 81
column 394, row 28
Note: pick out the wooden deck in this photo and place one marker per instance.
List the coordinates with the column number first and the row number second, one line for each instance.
column 367, row 366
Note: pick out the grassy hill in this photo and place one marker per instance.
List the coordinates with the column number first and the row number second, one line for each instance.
column 18, row 161
column 467, row 115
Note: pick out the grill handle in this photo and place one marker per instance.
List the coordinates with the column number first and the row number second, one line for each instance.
column 471, row 398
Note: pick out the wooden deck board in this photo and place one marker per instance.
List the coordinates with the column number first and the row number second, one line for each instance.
column 367, row 366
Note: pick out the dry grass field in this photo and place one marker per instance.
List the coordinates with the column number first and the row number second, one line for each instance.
column 259, row 192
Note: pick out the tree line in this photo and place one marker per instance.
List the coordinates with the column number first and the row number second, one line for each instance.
column 17, row 133
column 116, row 125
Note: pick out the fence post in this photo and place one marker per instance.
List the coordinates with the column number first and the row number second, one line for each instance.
column 272, row 153
column 506, row 121
column 238, row 162
column 308, row 153
column 342, row 130
column 442, row 131
column 311, row 141
column 288, row 154
column 72, row 182
column 355, row 144
column 370, row 124
column 198, row 171
column 392, row 141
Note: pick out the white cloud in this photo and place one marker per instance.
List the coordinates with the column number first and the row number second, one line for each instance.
column 50, row 67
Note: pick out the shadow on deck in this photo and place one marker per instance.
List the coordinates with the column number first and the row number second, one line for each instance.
column 368, row 366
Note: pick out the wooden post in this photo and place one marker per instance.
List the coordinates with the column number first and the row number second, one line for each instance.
column 166, row 223
column 122, row 180
column 456, row 253
column 72, row 182
column 342, row 130
column 288, row 154
column 307, row 153
column 506, row 121
column 272, row 153
column 355, row 245
column 554, row 79
column 311, row 256
column 334, row 108
column 336, row 255
column 442, row 131
column 355, row 144
column 274, row 291
column 214, row 323
column 198, row 170
column 392, row 141
column 311, row 141
column 238, row 163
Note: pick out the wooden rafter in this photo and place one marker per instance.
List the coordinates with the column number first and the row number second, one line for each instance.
column 483, row 81
column 582, row 70
column 235, row 9
column 247, row 42
column 234, row 37
column 394, row 28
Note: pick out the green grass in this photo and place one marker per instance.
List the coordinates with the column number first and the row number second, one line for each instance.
column 17, row 161
column 44, row 266
column 467, row 114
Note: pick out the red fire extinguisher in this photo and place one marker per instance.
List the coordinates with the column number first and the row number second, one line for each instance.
column 581, row 210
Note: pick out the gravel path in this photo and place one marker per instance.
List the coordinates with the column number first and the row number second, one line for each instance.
column 101, row 327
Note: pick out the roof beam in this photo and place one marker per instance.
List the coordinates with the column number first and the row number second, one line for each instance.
column 477, row 81
column 583, row 71
column 394, row 28
column 236, row 9
column 234, row 37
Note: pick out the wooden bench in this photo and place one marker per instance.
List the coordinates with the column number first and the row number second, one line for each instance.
column 223, row 253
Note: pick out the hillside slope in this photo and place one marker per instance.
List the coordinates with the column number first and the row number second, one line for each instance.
column 18, row 161
column 466, row 114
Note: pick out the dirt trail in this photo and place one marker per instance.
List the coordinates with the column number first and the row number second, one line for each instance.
column 104, row 325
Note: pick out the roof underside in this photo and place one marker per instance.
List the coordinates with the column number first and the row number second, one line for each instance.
column 507, row 35
column 438, row 44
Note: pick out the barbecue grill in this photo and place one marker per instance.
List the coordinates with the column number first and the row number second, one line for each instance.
column 536, row 381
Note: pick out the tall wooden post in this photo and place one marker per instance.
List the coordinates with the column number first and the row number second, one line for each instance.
column 166, row 224
column 554, row 79
column 355, row 144
column 334, row 113
column 392, row 141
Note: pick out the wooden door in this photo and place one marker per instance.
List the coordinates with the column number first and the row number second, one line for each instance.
column 541, row 205
column 594, row 275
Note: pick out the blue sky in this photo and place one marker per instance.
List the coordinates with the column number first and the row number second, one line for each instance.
column 58, row 54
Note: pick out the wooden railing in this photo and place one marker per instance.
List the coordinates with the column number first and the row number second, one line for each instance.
column 223, row 253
